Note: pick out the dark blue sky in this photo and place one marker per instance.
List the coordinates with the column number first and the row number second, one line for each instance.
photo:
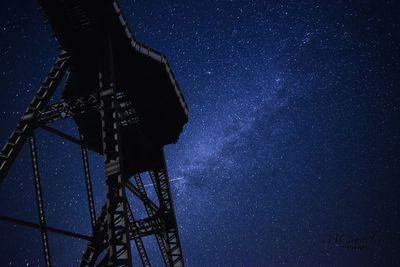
column 293, row 134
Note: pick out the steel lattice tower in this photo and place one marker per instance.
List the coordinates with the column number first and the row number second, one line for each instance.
column 127, row 105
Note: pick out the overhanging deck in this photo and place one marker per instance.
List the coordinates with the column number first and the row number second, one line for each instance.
column 81, row 26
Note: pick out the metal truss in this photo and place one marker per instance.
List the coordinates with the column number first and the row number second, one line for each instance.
column 161, row 182
column 67, row 109
column 88, row 181
column 25, row 126
column 135, row 235
column 152, row 212
column 39, row 199
column 116, row 226
column 79, row 105
column 119, row 249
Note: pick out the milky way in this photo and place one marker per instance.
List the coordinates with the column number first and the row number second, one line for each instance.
column 292, row 140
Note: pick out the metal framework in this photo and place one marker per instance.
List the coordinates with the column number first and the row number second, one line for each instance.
column 116, row 226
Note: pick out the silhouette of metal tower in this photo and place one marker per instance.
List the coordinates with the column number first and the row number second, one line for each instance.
column 127, row 105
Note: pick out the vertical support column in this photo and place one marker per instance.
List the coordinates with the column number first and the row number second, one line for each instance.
column 160, row 241
column 39, row 199
column 161, row 182
column 98, row 242
column 88, row 181
column 118, row 226
column 138, row 239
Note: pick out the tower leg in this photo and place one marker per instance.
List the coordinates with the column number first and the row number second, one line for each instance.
column 138, row 239
column 39, row 200
column 161, row 183
column 17, row 139
column 88, row 181
column 150, row 212
column 119, row 249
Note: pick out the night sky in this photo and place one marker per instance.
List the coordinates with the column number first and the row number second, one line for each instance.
column 293, row 137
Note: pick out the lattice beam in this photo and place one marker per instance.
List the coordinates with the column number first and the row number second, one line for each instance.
column 39, row 200
column 26, row 125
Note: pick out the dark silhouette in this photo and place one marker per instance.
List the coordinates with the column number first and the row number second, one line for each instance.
column 127, row 105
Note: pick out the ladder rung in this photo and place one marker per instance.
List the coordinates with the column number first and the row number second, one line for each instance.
column 53, row 72
column 31, row 109
column 11, row 144
column 48, row 82
column 63, row 56
column 19, row 131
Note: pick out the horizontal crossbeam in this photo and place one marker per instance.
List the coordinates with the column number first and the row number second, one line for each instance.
column 67, row 109
column 48, row 228
column 149, row 226
column 79, row 105
column 61, row 134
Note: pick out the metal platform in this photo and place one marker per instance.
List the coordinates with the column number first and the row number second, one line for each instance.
column 142, row 76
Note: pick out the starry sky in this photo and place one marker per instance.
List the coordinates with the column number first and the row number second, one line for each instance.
column 293, row 138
